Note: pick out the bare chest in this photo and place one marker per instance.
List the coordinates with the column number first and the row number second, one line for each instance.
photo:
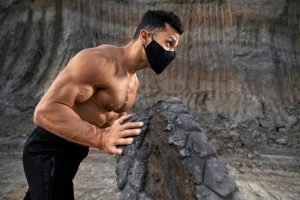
column 117, row 98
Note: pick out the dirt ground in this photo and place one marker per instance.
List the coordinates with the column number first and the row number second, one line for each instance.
column 269, row 172
column 95, row 179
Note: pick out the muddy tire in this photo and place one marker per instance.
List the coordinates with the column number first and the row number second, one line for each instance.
column 172, row 160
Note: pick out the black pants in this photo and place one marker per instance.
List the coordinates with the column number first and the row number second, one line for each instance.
column 50, row 164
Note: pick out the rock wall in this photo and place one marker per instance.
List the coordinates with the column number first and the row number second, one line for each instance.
column 236, row 57
column 172, row 159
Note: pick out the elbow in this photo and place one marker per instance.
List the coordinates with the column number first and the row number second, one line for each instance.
column 39, row 117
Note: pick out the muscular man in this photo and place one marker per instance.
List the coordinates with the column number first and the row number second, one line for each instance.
column 86, row 105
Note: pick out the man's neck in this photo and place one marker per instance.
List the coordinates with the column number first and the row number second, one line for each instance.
column 133, row 58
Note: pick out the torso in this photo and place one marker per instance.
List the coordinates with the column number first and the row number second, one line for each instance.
column 99, row 104
column 105, row 105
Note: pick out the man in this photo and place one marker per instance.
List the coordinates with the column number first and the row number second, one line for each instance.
column 86, row 105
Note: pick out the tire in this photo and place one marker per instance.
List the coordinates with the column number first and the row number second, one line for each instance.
column 172, row 160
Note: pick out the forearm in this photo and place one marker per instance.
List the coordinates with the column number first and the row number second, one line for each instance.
column 61, row 120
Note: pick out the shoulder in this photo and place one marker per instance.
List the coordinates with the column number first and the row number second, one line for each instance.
column 93, row 66
column 94, row 59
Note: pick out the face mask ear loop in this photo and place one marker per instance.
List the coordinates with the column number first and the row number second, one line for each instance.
column 149, row 34
column 152, row 36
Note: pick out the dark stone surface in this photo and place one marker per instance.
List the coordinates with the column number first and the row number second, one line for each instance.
column 172, row 159
column 217, row 178
column 236, row 57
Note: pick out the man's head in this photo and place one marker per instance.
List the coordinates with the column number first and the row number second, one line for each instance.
column 155, row 20
column 159, row 33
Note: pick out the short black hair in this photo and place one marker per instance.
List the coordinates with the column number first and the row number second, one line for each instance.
column 157, row 19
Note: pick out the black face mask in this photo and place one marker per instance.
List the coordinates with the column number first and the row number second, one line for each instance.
column 158, row 57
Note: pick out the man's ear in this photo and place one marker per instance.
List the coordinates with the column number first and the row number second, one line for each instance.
column 145, row 37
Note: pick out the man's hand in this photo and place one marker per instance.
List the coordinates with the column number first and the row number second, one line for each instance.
column 119, row 133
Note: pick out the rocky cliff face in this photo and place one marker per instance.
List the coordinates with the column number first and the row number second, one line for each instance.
column 237, row 57
column 238, row 61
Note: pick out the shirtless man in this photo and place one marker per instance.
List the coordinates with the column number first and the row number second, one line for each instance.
column 86, row 105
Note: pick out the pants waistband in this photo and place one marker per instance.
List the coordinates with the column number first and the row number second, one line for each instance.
column 49, row 137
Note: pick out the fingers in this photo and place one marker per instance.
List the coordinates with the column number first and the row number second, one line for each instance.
column 121, row 133
column 131, row 125
column 117, row 151
column 130, row 132
column 125, row 141
column 124, row 118
column 121, row 141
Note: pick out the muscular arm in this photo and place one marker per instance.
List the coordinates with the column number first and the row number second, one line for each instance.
column 75, row 84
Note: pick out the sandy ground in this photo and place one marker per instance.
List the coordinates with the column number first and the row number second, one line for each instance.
column 272, row 172
column 96, row 177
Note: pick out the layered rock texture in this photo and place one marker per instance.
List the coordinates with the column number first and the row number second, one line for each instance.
column 236, row 57
column 237, row 71
column 172, row 159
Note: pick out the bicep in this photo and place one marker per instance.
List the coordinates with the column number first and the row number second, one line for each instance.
column 68, row 91
column 57, row 102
